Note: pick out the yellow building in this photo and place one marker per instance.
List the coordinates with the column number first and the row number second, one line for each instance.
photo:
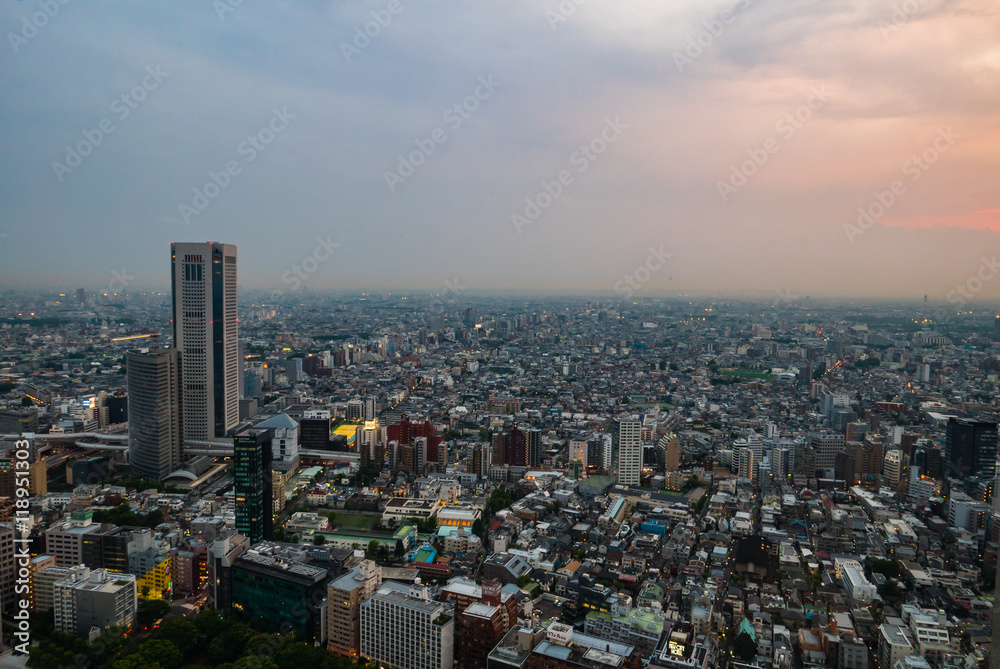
column 156, row 582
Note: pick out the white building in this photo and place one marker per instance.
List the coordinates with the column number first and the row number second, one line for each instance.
column 626, row 450
column 892, row 467
column 857, row 585
column 285, row 443
column 403, row 628
column 205, row 329
column 86, row 599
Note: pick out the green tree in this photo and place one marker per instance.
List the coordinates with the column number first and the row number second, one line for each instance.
column 27, row 402
column 478, row 528
column 182, row 632
column 230, row 644
column 156, row 652
column 150, row 610
column 319, row 539
column 398, row 550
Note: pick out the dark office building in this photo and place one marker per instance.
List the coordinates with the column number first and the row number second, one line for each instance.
column 314, row 434
column 270, row 586
column 595, row 454
column 534, row 448
column 252, row 474
column 929, row 460
column 18, row 421
column 118, row 408
column 970, row 448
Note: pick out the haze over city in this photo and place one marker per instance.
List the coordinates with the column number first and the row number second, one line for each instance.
column 529, row 147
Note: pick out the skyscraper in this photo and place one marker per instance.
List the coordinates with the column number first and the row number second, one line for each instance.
column 252, row 477
column 155, row 427
column 626, row 450
column 970, row 448
column 203, row 285
column 534, row 447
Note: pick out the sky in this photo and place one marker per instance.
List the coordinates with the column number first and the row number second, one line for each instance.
column 748, row 147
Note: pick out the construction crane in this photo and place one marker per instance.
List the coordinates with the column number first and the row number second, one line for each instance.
column 153, row 334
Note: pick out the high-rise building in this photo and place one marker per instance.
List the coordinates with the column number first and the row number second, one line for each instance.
column 253, row 480
column 421, row 634
column 671, row 453
column 155, row 424
column 578, row 452
column 343, row 602
column 221, row 557
column 826, row 447
column 370, row 407
column 203, row 284
column 970, row 448
column 626, row 450
column 533, row 447
column 892, row 466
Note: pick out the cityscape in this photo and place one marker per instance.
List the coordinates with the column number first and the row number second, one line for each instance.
column 236, row 477
column 537, row 334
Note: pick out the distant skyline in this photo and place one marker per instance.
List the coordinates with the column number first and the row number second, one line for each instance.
column 641, row 150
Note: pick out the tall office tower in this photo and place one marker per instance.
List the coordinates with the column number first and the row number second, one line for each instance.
column 81, row 295
column 826, row 447
column 369, row 407
column 252, row 477
column 578, row 452
column 626, row 450
column 781, row 463
column 203, row 285
column 482, row 457
column 595, row 452
column 970, row 448
column 368, row 440
column 421, row 635
column 155, row 424
column 221, row 557
column 241, row 356
column 343, row 607
column 996, row 337
column 672, row 454
column 747, row 464
column 533, row 448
